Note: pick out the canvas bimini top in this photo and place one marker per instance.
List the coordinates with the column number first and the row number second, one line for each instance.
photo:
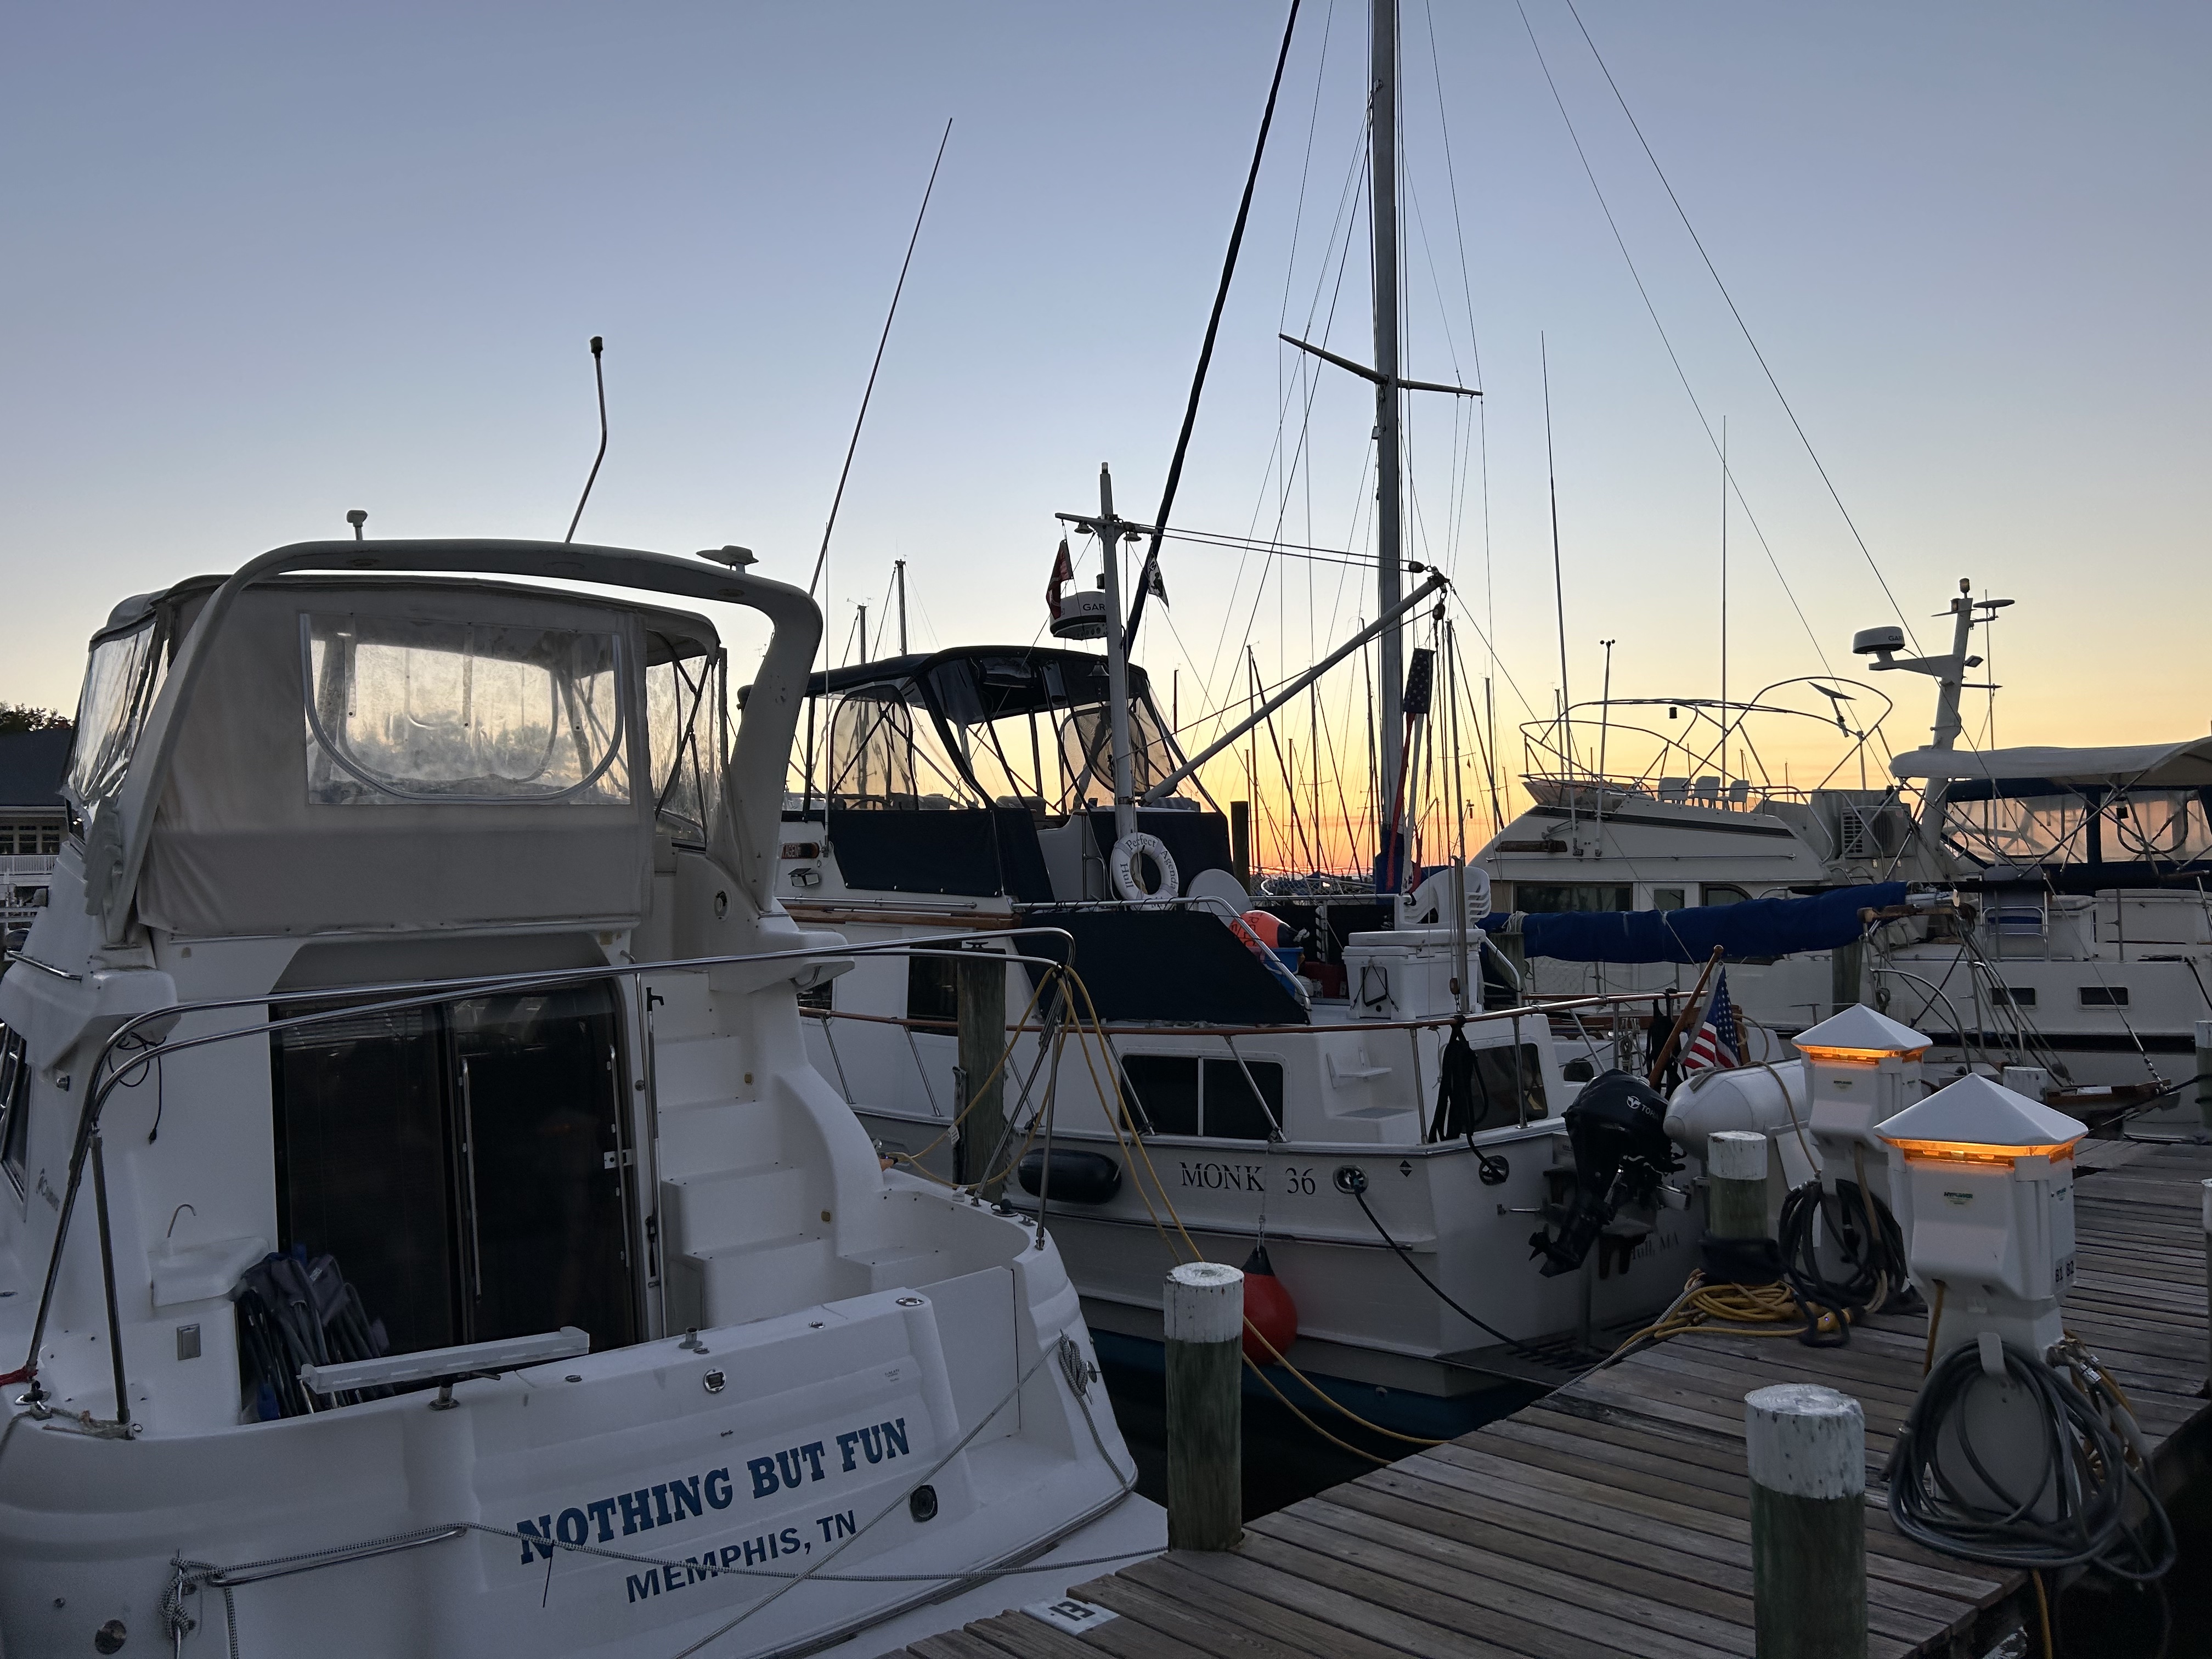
column 281, row 753
column 2186, row 765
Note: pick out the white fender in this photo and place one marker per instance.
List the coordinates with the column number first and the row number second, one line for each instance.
column 1768, row 1100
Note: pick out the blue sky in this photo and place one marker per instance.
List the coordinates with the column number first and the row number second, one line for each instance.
column 265, row 264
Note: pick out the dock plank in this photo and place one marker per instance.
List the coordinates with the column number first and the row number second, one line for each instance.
column 1611, row 1517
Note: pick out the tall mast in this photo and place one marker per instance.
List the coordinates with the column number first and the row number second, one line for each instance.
column 898, row 570
column 1112, row 532
column 1382, row 198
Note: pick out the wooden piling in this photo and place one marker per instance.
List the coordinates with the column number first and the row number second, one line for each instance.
column 981, row 997
column 1736, row 1205
column 1204, row 1318
column 2205, row 1189
column 1806, row 1448
column 1239, row 841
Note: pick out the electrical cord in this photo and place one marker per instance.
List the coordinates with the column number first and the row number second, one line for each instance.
column 2083, row 1484
column 1865, row 1234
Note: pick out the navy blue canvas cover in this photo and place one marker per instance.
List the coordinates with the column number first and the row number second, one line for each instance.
column 1765, row 928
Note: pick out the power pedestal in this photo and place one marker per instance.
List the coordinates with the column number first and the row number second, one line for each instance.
column 1864, row 1069
column 1982, row 1185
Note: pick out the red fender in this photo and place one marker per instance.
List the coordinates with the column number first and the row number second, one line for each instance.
column 1268, row 1311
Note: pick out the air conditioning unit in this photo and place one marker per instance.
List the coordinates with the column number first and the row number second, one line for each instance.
column 1854, row 834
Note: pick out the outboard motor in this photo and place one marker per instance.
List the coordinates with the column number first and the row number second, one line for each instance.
column 1617, row 1129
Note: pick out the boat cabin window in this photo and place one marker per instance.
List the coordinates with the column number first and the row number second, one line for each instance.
column 1179, row 1095
column 1505, row 1082
column 1667, row 898
column 1721, row 892
column 14, row 1107
column 933, row 989
column 120, row 686
column 684, row 717
column 404, row 710
column 1562, row 898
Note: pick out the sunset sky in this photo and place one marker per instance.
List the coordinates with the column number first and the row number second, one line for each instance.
column 266, row 264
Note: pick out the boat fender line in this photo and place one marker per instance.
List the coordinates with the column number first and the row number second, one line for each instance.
column 1077, row 1177
column 1123, row 864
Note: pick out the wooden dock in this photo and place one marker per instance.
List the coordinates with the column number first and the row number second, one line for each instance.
column 1612, row 1517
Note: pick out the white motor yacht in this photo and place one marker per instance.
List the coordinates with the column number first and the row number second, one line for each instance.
column 2063, row 925
column 424, row 1229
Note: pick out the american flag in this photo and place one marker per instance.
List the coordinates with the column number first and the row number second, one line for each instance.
column 1717, row 1044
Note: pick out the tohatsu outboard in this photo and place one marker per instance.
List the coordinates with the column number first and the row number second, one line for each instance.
column 1617, row 1129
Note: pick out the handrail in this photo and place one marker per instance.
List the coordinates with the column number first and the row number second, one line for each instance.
column 107, row 1074
column 1195, row 1028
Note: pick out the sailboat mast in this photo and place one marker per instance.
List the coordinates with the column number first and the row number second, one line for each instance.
column 1382, row 198
column 1111, row 531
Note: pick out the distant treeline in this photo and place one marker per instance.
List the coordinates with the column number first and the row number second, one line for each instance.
column 22, row 717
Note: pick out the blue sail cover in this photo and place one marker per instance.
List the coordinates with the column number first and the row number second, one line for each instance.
column 1756, row 928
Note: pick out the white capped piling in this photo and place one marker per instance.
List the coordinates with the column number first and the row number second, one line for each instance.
column 1203, row 1313
column 1806, row 1448
column 1735, row 1204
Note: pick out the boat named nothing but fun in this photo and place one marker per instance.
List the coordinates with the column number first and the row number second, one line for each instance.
column 424, row 1229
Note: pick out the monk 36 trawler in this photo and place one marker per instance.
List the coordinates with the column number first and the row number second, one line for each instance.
column 413, row 1009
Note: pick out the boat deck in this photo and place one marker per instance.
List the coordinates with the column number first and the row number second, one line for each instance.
column 1612, row 1517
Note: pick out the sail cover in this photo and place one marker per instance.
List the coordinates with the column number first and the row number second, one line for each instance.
column 1765, row 928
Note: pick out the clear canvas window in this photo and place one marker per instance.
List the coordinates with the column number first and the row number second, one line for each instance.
column 403, row 711
column 120, row 685
column 684, row 723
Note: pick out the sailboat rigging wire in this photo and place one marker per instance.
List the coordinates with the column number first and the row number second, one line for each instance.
column 600, row 380
column 1699, row 242
column 1680, row 374
column 844, row 472
column 1212, row 328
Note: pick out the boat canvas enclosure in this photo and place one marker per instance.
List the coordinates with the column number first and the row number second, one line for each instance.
column 457, row 755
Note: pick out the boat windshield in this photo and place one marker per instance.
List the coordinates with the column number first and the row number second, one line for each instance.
column 404, row 710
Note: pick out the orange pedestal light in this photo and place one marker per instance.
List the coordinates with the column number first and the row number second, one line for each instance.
column 1267, row 1309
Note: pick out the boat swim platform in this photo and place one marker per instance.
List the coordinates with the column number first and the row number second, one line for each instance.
column 1612, row 1517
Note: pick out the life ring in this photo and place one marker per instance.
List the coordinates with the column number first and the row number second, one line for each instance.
column 1127, row 852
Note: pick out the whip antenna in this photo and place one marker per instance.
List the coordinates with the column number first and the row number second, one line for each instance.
column 823, row 557
column 599, row 377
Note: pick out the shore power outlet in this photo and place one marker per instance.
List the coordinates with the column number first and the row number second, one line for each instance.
column 1982, row 1185
column 1863, row 1069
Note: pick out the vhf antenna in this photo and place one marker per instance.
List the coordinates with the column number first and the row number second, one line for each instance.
column 598, row 375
